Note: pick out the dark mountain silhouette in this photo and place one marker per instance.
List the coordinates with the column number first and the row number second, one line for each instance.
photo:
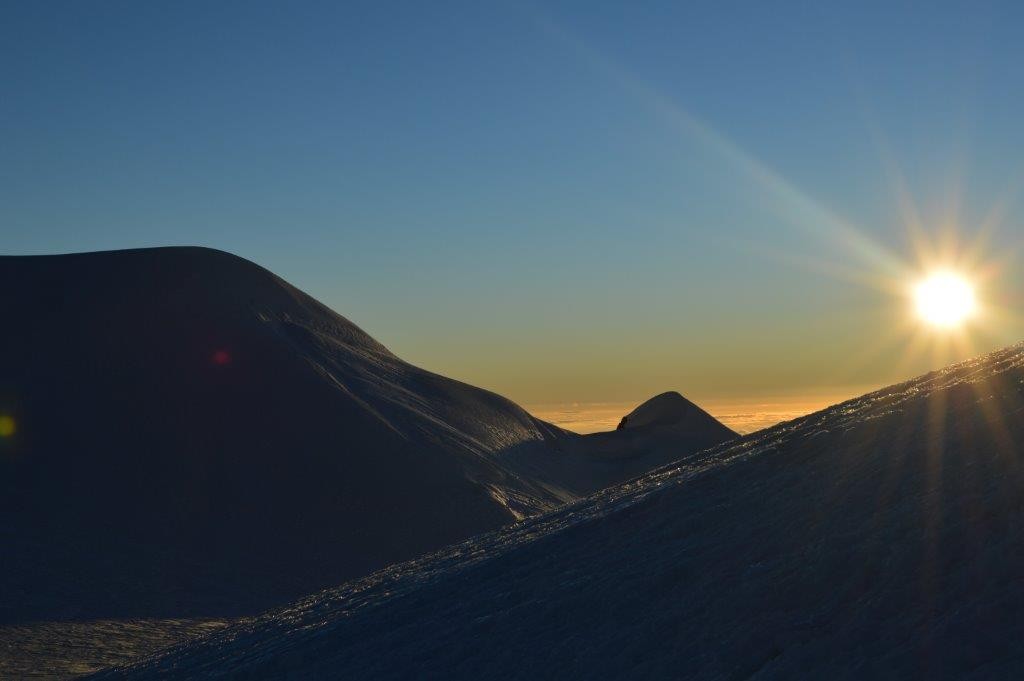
column 879, row 538
column 653, row 435
column 667, row 409
column 197, row 438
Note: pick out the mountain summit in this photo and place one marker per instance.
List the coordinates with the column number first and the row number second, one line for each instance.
column 667, row 409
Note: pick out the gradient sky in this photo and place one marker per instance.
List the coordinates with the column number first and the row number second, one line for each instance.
column 575, row 201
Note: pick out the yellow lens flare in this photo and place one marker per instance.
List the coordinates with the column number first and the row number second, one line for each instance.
column 945, row 299
column 8, row 426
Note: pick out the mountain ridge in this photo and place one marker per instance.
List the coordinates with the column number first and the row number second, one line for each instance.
column 190, row 416
column 877, row 537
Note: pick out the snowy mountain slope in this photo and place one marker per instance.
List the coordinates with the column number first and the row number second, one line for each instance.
column 882, row 537
column 198, row 439
column 625, row 453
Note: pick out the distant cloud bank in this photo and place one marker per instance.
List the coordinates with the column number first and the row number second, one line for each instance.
column 744, row 415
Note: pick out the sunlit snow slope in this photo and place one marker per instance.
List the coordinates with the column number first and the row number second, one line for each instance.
column 882, row 537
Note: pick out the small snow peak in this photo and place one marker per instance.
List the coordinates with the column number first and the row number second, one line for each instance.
column 661, row 410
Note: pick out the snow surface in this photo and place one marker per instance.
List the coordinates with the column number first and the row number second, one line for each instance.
column 199, row 440
column 879, row 538
column 59, row 650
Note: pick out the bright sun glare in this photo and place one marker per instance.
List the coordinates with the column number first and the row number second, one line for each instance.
column 944, row 299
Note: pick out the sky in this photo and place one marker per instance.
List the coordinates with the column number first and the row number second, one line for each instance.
column 565, row 202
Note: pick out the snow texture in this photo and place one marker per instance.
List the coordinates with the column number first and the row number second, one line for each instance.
column 199, row 440
column 879, row 538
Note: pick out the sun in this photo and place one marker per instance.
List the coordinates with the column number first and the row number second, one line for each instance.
column 944, row 299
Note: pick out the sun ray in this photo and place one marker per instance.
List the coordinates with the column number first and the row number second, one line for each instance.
column 935, row 241
column 802, row 210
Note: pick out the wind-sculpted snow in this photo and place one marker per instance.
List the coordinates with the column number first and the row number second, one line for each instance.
column 882, row 537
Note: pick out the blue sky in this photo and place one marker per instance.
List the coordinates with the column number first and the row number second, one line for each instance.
column 558, row 201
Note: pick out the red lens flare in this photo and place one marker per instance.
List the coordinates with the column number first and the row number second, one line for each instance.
column 221, row 358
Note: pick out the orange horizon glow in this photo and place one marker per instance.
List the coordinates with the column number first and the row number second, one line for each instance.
column 742, row 414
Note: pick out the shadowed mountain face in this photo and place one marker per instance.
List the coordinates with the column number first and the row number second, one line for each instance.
column 666, row 409
column 653, row 434
column 880, row 538
column 194, row 437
